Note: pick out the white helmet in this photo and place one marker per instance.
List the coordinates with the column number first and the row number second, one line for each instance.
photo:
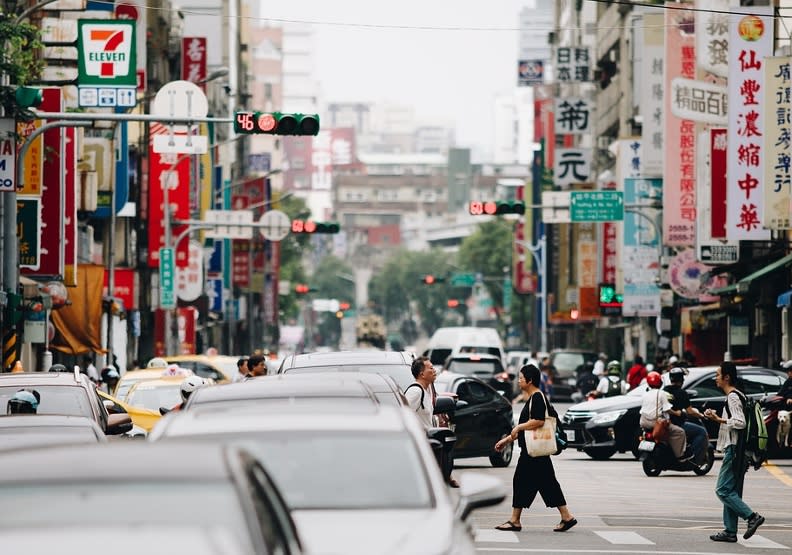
column 189, row 385
column 157, row 362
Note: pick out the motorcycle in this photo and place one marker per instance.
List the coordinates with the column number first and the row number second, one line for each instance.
column 656, row 457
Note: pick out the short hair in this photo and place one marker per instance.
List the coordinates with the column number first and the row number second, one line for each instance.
column 531, row 374
column 418, row 365
column 255, row 360
column 728, row 368
column 242, row 360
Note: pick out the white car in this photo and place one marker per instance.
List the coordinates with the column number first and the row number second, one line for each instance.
column 356, row 482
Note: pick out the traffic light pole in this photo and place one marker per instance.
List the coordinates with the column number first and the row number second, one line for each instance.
column 539, row 253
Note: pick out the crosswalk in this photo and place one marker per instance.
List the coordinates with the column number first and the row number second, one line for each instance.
column 610, row 537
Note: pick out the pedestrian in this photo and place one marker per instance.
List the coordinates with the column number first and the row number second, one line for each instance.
column 110, row 379
column 546, row 384
column 599, row 365
column 637, row 372
column 421, row 397
column 732, row 471
column 257, row 366
column 242, row 369
column 533, row 474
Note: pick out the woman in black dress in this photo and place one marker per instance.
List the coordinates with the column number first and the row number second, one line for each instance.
column 533, row 474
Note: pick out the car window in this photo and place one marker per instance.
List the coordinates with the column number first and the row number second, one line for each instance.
column 707, row 388
column 387, row 398
column 761, row 383
column 567, row 363
column 64, row 399
column 473, row 367
column 475, row 393
column 274, row 535
column 206, row 371
column 155, row 397
column 438, row 356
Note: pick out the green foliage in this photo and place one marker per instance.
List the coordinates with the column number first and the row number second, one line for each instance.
column 330, row 280
column 489, row 251
column 291, row 251
column 20, row 44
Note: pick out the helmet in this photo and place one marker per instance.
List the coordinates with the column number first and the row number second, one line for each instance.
column 614, row 368
column 58, row 368
column 109, row 373
column 677, row 374
column 654, row 380
column 673, row 359
column 23, row 402
column 787, row 365
column 191, row 384
column 157, row 362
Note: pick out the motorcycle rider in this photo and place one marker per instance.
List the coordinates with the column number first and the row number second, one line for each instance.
column 24, row 401
column 655, row 405
column 188, row 386
column 681, row 409
column 612, row 383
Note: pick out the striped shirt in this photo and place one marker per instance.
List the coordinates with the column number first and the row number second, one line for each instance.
column 727, row 433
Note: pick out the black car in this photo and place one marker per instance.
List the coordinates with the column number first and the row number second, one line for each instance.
column 487, row 368
column 482, row 417
column 567, row 365
column 602, row 427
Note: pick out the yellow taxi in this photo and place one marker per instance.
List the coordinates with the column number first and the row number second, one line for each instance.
column 141, row 417
column 220, row 368
column 155, row 394
column 129, row 379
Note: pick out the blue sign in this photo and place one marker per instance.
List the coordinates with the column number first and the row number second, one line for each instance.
column 216, row 258
column 530, row 72
column 260, row 162
column 214, row 290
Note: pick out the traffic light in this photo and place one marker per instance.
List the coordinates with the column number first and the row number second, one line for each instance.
column 496, row 207
column 344, row 305
column 303, row 289
column 28, row 97
column 429, row 279
column 574, row 313
column 310, row 226
column 276, row 123
column 610, row 302
column 454, row 303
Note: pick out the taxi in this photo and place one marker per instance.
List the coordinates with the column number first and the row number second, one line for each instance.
column 141, row 417
column 132, row 377
column 219, row 368
column 162, row 392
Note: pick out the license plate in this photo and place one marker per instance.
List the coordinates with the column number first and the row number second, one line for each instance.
column 570, row 435
column 647, row 446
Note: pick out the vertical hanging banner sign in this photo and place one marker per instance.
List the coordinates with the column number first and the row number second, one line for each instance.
column 750, row 42
column 652, row 94
column 777, row 192
column 712, row 36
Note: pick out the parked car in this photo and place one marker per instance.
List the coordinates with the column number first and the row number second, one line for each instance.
column 35, row 430
column 487, row 368
column 65, row 393
column 380, row 490
column 192, row 497
column 602, row 427
column 482, row 417
column 395, row 364
column 567, row 364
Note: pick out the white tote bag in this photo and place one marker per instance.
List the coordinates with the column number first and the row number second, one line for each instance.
column 541, row 442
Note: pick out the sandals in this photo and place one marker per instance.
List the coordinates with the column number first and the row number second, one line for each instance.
column 565, row 525
column 509, row 526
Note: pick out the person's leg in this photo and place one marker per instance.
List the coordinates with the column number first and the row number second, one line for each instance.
column 726, row 490
column 676, row 439
column 698, row 439
column 551, row 492
column 523, row 493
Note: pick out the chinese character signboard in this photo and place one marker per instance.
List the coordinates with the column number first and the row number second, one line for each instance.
column 699, row 101
column 679, row 183
column 29, row 230
column 652, row 94
column 750, row 40
column 7, row 155
column 712, row 36
column 777, row 191
column 711, row 244
column 572, row 116
column 572, row 165
column 107, row 63
column 193, row 60
column 572, row 64
column 640, row 256
column 530, row 72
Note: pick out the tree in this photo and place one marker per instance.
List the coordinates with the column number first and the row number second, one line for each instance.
column 331, row 281
column 292, row 248
column 20, row 60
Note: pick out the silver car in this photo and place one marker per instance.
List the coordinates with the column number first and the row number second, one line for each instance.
column 355, row 482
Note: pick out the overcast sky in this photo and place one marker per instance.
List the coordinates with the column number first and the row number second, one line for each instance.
column 451, row 74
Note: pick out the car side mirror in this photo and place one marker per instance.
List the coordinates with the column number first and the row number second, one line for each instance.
column 113, row 408
column 461, row 404
column 692, row 393
column 118, row 424
column 444, row 405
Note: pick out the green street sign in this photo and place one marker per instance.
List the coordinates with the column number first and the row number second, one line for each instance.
column 463, row 280
column 596, row 206
column 167, row 272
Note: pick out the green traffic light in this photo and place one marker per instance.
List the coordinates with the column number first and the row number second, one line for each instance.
column 28, row 97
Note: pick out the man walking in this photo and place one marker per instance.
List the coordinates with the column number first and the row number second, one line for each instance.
column 732, row 471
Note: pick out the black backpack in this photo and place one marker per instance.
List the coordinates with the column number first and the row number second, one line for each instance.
column 754, row 438
column 423, row 392
column 614, row 388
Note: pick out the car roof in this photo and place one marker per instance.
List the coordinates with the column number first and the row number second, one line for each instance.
column 333, row 358
column 143, row 374
column 281, row 386
column 220, row 419
column 474, row 356
column 43, row 378
column 45, row 420
column 159, row 382
column 104, row 462
column 377, row 382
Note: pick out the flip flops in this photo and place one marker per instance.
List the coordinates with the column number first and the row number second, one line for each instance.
column 565, row 525
column 509, row 526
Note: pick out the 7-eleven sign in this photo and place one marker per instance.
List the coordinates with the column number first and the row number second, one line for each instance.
column 106, row 53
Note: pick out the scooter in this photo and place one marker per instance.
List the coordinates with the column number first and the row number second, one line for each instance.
column 656, row 457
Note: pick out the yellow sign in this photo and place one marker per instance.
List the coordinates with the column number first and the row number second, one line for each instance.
column 31, row 173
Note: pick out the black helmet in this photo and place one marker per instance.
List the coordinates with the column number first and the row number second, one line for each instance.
column 58, row 368
column 677, row 374
column 109, row 374
column 23, row 402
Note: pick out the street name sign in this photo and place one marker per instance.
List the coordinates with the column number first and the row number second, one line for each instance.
column 224, row 220
column 167, row 272
column 463, row 280
column 596, row 206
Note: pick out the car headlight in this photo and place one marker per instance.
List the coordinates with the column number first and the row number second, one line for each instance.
column 607, row 418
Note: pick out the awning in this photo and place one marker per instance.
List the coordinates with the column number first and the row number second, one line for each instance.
column 784, row 299
column 744, row 284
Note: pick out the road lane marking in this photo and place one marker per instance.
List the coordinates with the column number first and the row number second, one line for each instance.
column 778, row 473
column 496, row 536
column 623, row 538
column 760, row 542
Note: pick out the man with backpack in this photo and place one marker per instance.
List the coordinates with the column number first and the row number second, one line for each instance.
column 730, row 479
column 612, row 383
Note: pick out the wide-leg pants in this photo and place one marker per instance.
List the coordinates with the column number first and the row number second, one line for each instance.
column 536, row 475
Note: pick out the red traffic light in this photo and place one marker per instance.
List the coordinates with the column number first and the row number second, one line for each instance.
column 344, row 306
column 490, row 208
column 301, row 289
column 574, row 313
column 453, row 303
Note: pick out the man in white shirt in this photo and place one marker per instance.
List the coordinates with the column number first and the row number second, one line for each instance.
column 420, row 394
column 599, row 365
column 242, row 370
column 654, row 406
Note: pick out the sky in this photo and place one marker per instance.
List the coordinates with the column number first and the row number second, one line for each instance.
column 453, row 75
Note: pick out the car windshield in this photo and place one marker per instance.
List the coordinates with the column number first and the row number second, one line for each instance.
column 155, row 397
column 392, row 476
column 126, row 384
column 165, row 503
column 400, row 373
column 69, row 400
column 567, row 363
column 472, row 367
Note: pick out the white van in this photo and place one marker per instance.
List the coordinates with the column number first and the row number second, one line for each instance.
column 451, row 341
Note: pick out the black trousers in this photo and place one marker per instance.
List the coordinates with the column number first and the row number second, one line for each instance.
column 536, row 475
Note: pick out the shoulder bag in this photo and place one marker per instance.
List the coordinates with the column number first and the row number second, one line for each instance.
column 541, row 442
column 660, row 429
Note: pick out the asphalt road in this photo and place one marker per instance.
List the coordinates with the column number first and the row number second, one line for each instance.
column 621, row 510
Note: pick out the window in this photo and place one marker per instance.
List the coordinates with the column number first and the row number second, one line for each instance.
column 474, row 393
column 757, row 384
column 707, row 388
column 206, row 371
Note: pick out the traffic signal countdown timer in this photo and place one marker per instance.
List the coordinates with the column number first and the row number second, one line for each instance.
column 276, row 123
column 496, row 207
column 310, row 226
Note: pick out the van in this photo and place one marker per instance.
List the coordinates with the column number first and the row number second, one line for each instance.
column 453, row 340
